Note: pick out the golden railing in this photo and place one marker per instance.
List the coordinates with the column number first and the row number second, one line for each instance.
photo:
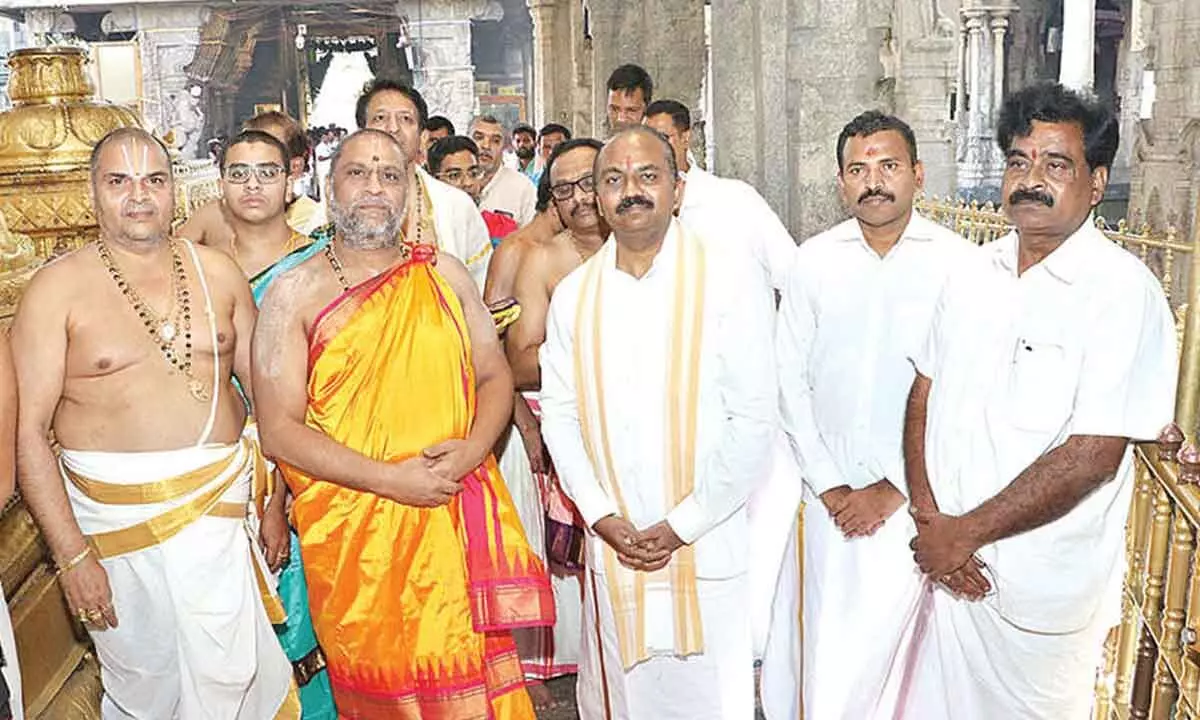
column 1151, row 662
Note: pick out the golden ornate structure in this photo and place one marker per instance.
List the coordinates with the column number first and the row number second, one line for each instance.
column 46, row 142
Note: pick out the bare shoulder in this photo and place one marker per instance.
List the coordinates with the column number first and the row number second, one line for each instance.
column 205, row 225
column 218, row 266
column 455, row 273
column 60, row 278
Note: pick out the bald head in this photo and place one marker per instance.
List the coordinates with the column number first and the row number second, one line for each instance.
column 646, row 134
column 129, row 136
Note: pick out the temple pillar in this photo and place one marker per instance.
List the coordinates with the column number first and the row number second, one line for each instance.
column 1076, row 69
column 441, row 36
column 544, row 100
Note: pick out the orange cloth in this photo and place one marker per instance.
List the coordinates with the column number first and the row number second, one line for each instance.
column 414, row 607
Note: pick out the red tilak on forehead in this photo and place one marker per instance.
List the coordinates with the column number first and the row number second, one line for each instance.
column 628, row 164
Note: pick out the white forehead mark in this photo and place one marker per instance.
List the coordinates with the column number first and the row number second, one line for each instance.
column 132, row 168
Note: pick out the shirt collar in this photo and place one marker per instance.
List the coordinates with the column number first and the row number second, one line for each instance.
column 1063, row 263
column 919, row 229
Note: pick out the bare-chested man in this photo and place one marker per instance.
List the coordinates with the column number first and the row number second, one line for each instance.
column 552, row 522
column 264, row 245
column 124, row 349
column 211, row 224
column 383, row 389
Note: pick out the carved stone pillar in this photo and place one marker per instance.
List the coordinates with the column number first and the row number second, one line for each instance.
column 168, row 37
column 999, row 23
column 441, row 35
column 544, row 99
column 1076, row 69
column 974, row 157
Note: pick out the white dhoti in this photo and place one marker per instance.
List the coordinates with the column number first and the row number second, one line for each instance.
column 972, row 663
column 717, row 684
column 546, row 652
column 11, row 670
column 774, row 577
column 859, row 600
column 193, row 639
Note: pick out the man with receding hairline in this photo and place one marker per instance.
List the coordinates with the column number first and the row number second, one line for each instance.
column 1044, row 360
column 125, row 350
column 383, row 389
column 659, row 408
column 437, row 214
column 504, row 189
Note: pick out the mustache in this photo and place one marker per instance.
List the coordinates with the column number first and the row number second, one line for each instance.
column 876, row 192
column 633, row 201
column 1022, row 195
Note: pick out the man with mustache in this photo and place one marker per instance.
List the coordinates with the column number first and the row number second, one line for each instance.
column 504, row 189
column 524, row 142
column 383, row 390
column 437, row 214
column 1044, row 360
column 554, row 517
column 659, row 407
column 856, row 307
column 125, row 349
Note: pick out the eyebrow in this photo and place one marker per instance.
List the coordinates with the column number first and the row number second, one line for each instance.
column 121, row 175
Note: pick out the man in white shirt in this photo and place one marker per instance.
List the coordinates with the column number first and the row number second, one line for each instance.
column 856, row 308
column 724, row 209
column 437, row 214
column 1043, row 362
column 504, row 189
column 731, row 214
column 659, row 405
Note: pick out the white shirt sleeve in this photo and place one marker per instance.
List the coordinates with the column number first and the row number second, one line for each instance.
column 1127, row 379
column 794, row 334
column 560, row 415
column 528, row 205
column 774, row 241
column 748, row 394
column 926, row 360
column 473, row 233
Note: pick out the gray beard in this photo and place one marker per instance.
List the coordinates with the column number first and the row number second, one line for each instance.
column 358, row 234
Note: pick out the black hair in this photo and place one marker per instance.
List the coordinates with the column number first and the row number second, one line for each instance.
column 554, row 128
column 677, row 110
column 523, row 129
column 869, row 123
column 543, row 193
column 565, row 147
column 440, row 122
column 294, row 138
column 1051, row 102
column 449, row 146
column 255, row 136
column 379, row 85
column 628, row 78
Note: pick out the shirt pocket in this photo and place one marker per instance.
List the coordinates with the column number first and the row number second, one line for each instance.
column 1040, row 385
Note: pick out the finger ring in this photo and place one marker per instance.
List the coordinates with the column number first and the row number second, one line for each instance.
column 945, row 578
column 94, row 614
column 81, row 615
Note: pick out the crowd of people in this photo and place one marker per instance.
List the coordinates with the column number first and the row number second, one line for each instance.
column 465, row 425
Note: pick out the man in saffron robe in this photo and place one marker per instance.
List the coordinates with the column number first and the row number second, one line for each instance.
column 384, row 390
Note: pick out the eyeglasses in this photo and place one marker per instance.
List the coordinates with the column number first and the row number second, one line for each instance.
column 267, row 173
column 456, row 176
column 566, row 190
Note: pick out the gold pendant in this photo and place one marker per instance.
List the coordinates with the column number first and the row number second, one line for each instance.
column 199, row 391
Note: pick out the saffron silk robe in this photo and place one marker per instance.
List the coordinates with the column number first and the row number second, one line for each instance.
column 414, row 607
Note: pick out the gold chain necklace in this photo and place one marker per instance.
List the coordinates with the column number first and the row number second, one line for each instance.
column 161, row 329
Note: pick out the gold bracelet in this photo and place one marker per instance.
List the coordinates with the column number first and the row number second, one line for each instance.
column 74, row 561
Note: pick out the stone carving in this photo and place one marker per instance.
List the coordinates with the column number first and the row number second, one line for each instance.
column 937, row 23
column 187, row 120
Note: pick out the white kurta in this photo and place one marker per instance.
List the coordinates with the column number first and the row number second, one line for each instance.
column 730, row 215
column 735, row 419
column 1082, row 343
column 510, row 192
column 730, row 211
column 848, row 324
column 461, row 231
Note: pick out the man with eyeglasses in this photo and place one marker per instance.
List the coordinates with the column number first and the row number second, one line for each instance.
column 455, row 161
column 504, row 189
column 253, row 184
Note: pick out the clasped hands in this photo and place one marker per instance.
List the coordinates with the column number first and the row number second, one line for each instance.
column 645, row 550
column 435, row 476
column 945, row 548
